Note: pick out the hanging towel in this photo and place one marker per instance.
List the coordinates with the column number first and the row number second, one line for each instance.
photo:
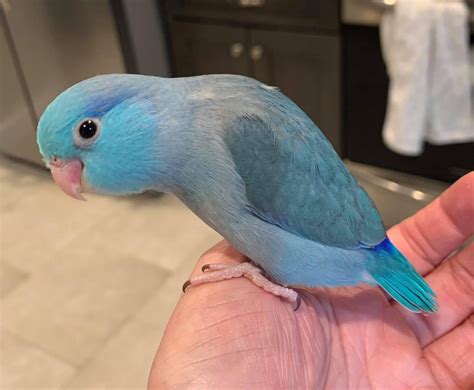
column 405, row 35
column 424, row 45
column 450, row 99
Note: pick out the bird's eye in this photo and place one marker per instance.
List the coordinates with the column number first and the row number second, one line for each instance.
column 87, row 129
column 86, row 133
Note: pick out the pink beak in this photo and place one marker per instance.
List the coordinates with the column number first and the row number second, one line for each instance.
column 67, row 175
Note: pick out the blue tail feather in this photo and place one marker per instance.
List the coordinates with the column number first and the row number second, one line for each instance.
column 392, row 271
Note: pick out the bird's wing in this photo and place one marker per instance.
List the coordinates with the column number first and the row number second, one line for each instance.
column 294, row 179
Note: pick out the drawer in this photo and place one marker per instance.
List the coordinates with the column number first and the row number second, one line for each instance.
column 297, row 14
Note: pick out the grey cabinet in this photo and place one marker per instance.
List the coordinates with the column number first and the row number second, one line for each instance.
column 206, row 49
column 306, row 68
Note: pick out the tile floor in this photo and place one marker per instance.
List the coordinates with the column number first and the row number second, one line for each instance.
column 86, row 288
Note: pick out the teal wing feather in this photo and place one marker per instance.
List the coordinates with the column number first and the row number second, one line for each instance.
column 294, row 179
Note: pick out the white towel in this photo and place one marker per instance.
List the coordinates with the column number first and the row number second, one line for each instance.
column 425, row 48
column 450, row 102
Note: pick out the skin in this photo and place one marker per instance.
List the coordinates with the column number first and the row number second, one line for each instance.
column 232, row 334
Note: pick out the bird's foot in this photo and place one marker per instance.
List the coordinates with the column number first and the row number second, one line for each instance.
column 218, row 272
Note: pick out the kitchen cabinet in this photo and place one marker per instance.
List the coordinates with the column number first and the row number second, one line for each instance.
column 205, row 49
column 304, row 66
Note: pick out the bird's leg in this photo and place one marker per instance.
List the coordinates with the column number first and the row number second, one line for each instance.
column 218, row 272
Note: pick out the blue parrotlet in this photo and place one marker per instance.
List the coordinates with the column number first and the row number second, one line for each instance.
column 243, row 157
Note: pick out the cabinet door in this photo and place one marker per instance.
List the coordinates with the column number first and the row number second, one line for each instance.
column 306, row 68
column 205, row 49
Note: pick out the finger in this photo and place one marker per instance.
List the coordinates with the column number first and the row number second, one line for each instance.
column 453, row 283
column 452, row 357
column 430, row 235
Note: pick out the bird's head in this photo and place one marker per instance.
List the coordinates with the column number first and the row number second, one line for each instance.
column 100, row 135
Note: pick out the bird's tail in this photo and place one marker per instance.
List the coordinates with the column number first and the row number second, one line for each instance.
column 392, row 271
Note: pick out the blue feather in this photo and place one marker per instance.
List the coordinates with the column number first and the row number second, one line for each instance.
column 392, row 271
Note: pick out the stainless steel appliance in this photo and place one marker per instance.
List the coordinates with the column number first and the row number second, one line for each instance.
column 46, row 46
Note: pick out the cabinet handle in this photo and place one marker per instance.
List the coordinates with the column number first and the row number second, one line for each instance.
column 236, row 50
column 251, row 3
column 256, row 52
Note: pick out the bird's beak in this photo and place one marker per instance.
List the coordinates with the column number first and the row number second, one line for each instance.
column 67, row 175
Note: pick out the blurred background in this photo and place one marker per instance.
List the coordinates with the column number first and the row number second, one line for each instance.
column 87, row 288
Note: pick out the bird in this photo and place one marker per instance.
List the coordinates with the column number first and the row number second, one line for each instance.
column 245, row 159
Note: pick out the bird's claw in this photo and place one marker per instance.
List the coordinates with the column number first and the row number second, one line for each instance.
column 205, row 267
column 298, row 303
column 186, row 284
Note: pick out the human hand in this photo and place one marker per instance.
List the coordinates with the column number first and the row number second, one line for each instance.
column 232, row 334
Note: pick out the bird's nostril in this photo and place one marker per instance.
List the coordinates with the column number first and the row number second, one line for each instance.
column 55, row 160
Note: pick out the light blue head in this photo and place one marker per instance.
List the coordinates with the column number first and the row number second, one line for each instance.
column 102, row 133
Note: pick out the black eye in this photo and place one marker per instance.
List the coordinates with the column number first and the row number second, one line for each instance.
column 88, row 129
column 86, row 133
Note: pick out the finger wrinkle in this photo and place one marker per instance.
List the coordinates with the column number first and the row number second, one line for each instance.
column 242, row 300
column 462, row 269
column 425, row 245
column 442, row 372
column 203, row 342
column 451, row 357
column 456, row 222
column 218, row 357
column 238, row 317
column 458, row 204
column 408, row 230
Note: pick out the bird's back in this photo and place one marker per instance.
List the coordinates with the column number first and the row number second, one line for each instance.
column 292, row 176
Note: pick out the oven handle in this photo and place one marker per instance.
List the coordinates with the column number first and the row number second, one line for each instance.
column 391, row 3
